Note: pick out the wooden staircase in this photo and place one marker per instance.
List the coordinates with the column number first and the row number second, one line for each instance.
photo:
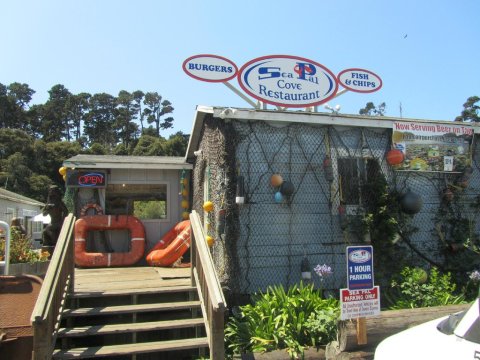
column 110, row 317
column 136, row 313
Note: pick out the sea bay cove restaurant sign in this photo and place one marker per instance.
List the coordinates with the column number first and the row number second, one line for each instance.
column 282, row 80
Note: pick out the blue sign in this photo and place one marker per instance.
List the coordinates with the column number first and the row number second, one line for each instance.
column 360, row 267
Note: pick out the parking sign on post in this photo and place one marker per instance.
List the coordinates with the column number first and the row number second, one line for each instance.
column 360, row 267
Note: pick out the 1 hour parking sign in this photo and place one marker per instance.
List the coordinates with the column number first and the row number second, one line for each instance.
column 360, row 267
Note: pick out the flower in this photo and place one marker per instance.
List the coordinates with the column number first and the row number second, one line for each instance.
column 324, row 270
column 475, row 276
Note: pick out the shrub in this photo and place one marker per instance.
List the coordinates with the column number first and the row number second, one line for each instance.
column 415, row 288
column 289, row 320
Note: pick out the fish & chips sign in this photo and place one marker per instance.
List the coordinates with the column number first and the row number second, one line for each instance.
column 282, row 80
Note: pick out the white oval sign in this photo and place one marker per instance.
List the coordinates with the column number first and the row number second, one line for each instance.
column 360, row 80
column 211, row 68
column 288, row 81
column 359, row 256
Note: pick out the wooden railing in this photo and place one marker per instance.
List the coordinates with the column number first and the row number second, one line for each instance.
column 51, row 299
column 204, row 277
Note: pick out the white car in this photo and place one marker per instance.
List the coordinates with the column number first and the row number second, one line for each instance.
column 453, row 337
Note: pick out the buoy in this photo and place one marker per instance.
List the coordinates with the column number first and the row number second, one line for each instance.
column 395, row 157
column 210, row 240
column 411, row 203
column 276, row 180
column 278, row 197
column 185, row 215
column 185, row 204
column 287, row 188
column 208, row 206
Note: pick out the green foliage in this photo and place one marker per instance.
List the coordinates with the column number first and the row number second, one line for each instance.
column 384, row 221
column 153, row 209
column 415, row 288
column 278, row 319
column 471, row 111
column 371, row 110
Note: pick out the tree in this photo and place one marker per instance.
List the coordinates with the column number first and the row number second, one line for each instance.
column 126, row 112
column 13, row 141
column 55, row 124
column 176, row 145
column 471, row 109
column 76, row 109
column 99, row 125
column 155, row 109
column 137, row 106
column 16, row 172
column 149, row 146
column 14, row 100
column 371, row 110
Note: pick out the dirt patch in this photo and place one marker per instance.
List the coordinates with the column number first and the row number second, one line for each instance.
column 310, row 354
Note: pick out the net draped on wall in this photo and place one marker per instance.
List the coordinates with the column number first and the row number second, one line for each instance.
column 264, row 241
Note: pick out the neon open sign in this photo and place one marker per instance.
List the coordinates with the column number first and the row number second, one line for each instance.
column 86, row 179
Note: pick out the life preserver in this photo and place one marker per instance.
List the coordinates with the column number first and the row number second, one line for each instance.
column 172, row 245
column 98, row 209
column 109, row 222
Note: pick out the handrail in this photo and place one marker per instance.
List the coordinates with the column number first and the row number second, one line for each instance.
column 210, row 292
column 51, row 299
column 6, row 262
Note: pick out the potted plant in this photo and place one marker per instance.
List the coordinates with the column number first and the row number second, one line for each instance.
column 24, row 259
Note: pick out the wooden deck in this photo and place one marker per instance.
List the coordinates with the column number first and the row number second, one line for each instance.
column 132, row 280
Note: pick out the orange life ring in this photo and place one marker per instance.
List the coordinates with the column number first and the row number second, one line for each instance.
column 172, row 245
column 98, row 209
column 109, row 222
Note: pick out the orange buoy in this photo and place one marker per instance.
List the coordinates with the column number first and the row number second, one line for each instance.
column 276, row 180
column 395, row 157
column 108, row 222
column 172, row 245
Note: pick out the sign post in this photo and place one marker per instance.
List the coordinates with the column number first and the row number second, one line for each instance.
column 361, row 298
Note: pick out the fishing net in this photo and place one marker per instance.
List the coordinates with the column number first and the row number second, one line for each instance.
column 335, row 176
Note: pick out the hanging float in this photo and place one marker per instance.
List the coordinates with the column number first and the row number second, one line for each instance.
column 108, row 222
column 98, row 209
column 172, row 245
column 395, row 157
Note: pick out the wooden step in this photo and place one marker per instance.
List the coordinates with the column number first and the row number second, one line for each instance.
column 123, row 309
column 122, row 328
column 132, row 291
column 127, row 349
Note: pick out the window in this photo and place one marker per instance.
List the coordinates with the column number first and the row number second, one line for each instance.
column 145, row 201
column 352, row 174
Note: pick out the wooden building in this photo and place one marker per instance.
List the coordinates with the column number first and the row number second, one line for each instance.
column 335, row 170
column 145, row 186
column 13, row 205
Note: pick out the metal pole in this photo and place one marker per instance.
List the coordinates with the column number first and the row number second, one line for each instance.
column 4, row 225
column 236, row 91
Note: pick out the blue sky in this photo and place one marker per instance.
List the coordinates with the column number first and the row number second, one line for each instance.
column 426, row 52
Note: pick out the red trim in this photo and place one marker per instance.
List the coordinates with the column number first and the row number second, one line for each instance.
column 210, row 56
column 356, row 90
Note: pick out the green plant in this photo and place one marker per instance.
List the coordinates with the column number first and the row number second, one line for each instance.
column 21, row 250
column 415, row 288
column 280, row 319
